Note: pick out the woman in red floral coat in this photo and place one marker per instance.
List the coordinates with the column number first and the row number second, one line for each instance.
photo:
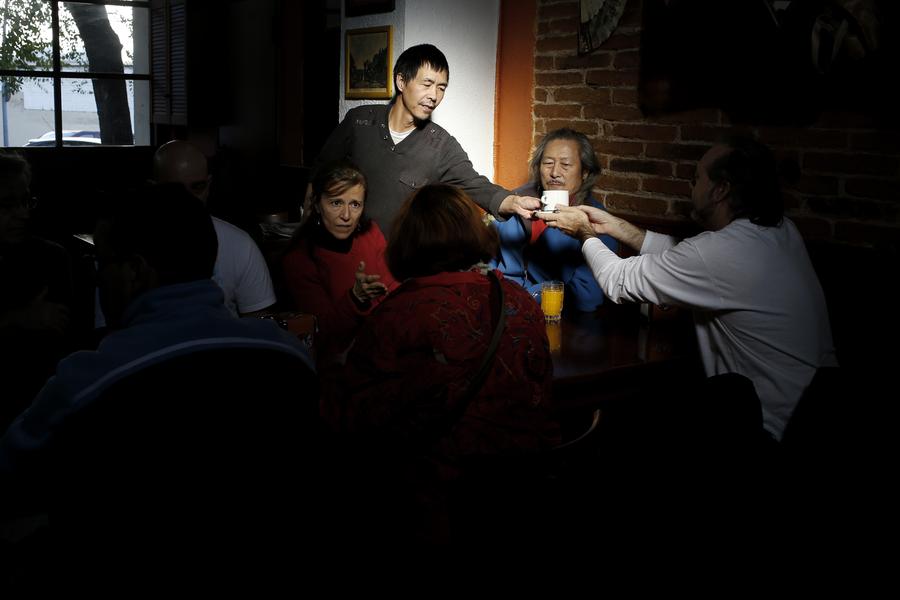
column 407, row 376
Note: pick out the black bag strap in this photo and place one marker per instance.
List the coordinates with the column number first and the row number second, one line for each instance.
column 425, row 420
column 498, row 318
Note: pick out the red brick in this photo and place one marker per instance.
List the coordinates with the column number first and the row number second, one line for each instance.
column 883, row 189
column 543, row 63
column 676, row 151
column 802, row 138
column 812, row 228
column 815, row 185
column 613, row 113
column 856, row 164
column 629, row 59
column 557, row 111
column 851, row 209
column 548, row 45
column 706, row 133
column 669, row 187
column 619, row 184
column 558, row 78
column 645, row 132
column 887, row 142
column 540, row 127
column 582, row 95
column 588, row 128
column 540, row 95
column 625, row 96
column 609, row 78
column 595, row 60
column 650, row 167
column 636, row 204
column 865, row 233
column 556, row 10
column 625, row 149
column 558, row 26
column 685, row 171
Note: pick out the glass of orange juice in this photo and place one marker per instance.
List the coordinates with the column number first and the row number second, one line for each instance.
column 554, row 335
column 552, row 300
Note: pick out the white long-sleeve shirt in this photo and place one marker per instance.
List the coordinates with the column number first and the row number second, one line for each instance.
column 759, row 309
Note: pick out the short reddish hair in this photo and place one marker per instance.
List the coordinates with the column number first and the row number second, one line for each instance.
column 439, row 229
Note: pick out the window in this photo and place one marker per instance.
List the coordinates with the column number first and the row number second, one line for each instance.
column 74, row 73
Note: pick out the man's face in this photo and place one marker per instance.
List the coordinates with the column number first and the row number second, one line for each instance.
column 561, row 166
column 424, row 93
column 190, row 174
column 706, row 193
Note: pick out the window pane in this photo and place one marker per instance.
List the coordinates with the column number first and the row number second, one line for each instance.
column 27, row 112
column 104, row 39
column 26, row 37
column 123, row 104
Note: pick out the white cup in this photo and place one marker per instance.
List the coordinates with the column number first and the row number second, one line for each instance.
column 554, row 198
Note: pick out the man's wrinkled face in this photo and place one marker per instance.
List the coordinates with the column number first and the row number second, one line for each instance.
column 561, row 166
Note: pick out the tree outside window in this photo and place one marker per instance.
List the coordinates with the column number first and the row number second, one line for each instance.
column 74, row 73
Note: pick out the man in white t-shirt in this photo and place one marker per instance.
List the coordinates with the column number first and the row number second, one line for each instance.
column 759, row 309
column 240, row 268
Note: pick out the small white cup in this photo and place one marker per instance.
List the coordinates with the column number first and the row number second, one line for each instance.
column 551, row 199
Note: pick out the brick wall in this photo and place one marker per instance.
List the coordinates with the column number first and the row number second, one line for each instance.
column 849, row 187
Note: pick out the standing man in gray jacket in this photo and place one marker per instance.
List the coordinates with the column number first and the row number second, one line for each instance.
column 399, row 148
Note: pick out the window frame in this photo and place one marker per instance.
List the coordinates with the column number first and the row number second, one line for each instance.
column 56, row 74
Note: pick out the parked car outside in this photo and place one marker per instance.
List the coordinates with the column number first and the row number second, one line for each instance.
column 70, row 137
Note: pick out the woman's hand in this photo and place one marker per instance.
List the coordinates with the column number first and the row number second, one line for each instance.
column 367, row 287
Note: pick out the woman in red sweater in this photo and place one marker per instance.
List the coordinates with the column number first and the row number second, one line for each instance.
column 335, row 267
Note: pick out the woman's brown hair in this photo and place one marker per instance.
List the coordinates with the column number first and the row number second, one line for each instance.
column 438, row 229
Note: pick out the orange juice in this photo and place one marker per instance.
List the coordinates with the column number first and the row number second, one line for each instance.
column 554, row 336
column 552, row 300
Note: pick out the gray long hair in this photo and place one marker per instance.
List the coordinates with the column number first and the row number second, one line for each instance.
column 590, row 166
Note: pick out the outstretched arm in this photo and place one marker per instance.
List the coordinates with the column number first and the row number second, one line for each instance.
column 584, row 222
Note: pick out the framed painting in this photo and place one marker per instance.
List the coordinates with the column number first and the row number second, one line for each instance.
column 368, row 63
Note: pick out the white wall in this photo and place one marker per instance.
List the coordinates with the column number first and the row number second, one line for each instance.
column 466, row 32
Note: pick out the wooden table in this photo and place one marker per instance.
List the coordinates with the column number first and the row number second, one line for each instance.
column 618, row 353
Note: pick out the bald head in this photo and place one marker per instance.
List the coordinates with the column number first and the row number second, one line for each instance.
column 180, row 162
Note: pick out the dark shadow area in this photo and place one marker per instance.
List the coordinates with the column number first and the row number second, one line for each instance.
column 769, row 67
